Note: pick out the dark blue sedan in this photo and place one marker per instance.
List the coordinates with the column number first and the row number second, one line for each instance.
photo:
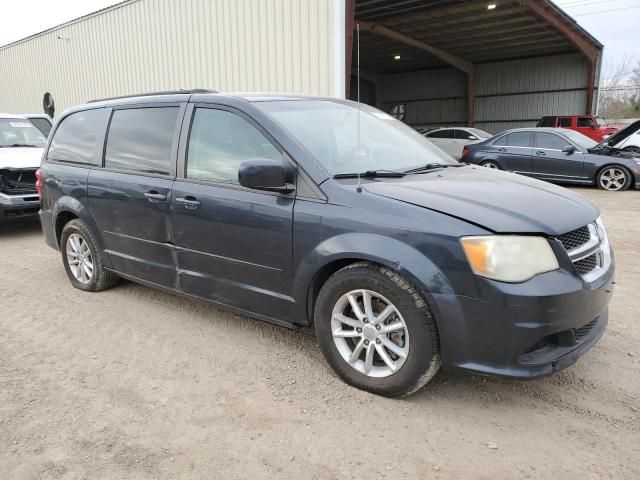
column 560, row 155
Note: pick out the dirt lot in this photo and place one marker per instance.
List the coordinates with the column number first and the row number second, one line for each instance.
column 134, row 383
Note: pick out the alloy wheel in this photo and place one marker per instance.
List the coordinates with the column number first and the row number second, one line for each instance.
column 613, row 178
column 79, row 258
column 490, row 165
column 370, row 333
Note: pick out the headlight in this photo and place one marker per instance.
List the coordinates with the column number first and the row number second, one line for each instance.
column 509, row 258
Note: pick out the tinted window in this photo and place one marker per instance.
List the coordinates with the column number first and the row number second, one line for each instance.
column 441, row 134
column 75, row 138
column 550, row 141
column 564, row 122
column 42, row 124
column 546, row 122
column 219, row 142
column 140, row 139
column 515, row 139
column 585, row 122
column 463, row 135
column 480, row 133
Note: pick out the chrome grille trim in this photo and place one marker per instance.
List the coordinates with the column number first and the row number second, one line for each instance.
column 592, row 258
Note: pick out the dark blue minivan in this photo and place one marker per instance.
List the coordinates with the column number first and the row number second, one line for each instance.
column 315, row 211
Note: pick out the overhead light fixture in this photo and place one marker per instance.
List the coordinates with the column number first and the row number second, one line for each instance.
column 491, row 6
column 397, row 57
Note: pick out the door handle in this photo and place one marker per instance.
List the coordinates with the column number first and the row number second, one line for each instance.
column 540, row 153
column 154, row 197
column 189, row 202
column 502, row 149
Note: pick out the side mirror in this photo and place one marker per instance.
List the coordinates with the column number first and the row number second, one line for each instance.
column 472, row 137
column 568, row 149
column 264, row 174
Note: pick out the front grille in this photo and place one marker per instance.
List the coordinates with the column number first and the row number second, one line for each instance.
column 582, row 332
column 587, row 264
column 575, row 238
column 18, row 182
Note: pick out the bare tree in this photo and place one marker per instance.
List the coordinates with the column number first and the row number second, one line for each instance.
column 620, row 88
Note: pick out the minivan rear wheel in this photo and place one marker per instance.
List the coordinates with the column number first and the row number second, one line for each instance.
column 376, row 330
column 83, row 260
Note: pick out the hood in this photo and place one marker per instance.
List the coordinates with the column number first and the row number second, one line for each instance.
column 619, row 136
column 498, row 201
column 20, row 157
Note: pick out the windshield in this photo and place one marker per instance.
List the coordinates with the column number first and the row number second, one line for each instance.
column 582, row 141
column 18, row 132
column 601, row 122
column 329, row 131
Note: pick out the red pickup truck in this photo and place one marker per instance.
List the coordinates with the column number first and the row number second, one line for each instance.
column 590, row 125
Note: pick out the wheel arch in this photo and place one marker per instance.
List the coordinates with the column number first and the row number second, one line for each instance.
column 346, row 249
column 69, row 208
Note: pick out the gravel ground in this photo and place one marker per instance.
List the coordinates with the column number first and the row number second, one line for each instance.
column 133, row 383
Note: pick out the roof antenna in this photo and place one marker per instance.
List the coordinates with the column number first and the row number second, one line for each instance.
column 359, row 187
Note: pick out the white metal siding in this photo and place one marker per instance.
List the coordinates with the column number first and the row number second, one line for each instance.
column 151, row 45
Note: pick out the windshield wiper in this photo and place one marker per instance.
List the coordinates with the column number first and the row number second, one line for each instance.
column 431, row 166
column 372, row 174
column 13, row 145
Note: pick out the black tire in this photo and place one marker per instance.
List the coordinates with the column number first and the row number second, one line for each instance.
column 423, row 359
column 607, row 171
column 101, row 279
column 491, row 164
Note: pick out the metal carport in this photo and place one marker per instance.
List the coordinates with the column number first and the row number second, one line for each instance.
column 462, row 62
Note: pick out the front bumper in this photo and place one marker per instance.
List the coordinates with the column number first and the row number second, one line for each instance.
column 18, row 206
column 524, row 330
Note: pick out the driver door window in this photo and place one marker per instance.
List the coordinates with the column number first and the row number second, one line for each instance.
column 219, row 142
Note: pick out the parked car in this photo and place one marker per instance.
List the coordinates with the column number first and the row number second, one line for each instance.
column 41, row 121
column 629, row 144
column 453, row 140
column 560, row 155
column 274, row 206
column 591, row 126
column 21, row 147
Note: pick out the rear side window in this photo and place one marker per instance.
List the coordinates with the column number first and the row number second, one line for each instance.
column 586, row 122
column 219, row 142
column 42, row 124
column 550, row 141
column 441, row 134
column 140, row 140
column 515, row 139
column 75, row 140
column 546, row 122
column 564, row 122
column 463, row 135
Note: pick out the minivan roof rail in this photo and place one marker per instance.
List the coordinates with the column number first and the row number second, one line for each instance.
column 168, row 92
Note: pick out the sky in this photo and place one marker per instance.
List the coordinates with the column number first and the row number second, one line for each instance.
column 614, row 22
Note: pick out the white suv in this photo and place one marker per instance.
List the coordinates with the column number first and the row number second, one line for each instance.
column 21, row 145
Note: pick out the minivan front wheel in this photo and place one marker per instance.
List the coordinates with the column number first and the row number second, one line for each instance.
column 376, row 331
column 83, row 259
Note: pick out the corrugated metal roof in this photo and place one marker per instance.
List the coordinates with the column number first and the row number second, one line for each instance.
column 465, row 28
column 71, row 22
